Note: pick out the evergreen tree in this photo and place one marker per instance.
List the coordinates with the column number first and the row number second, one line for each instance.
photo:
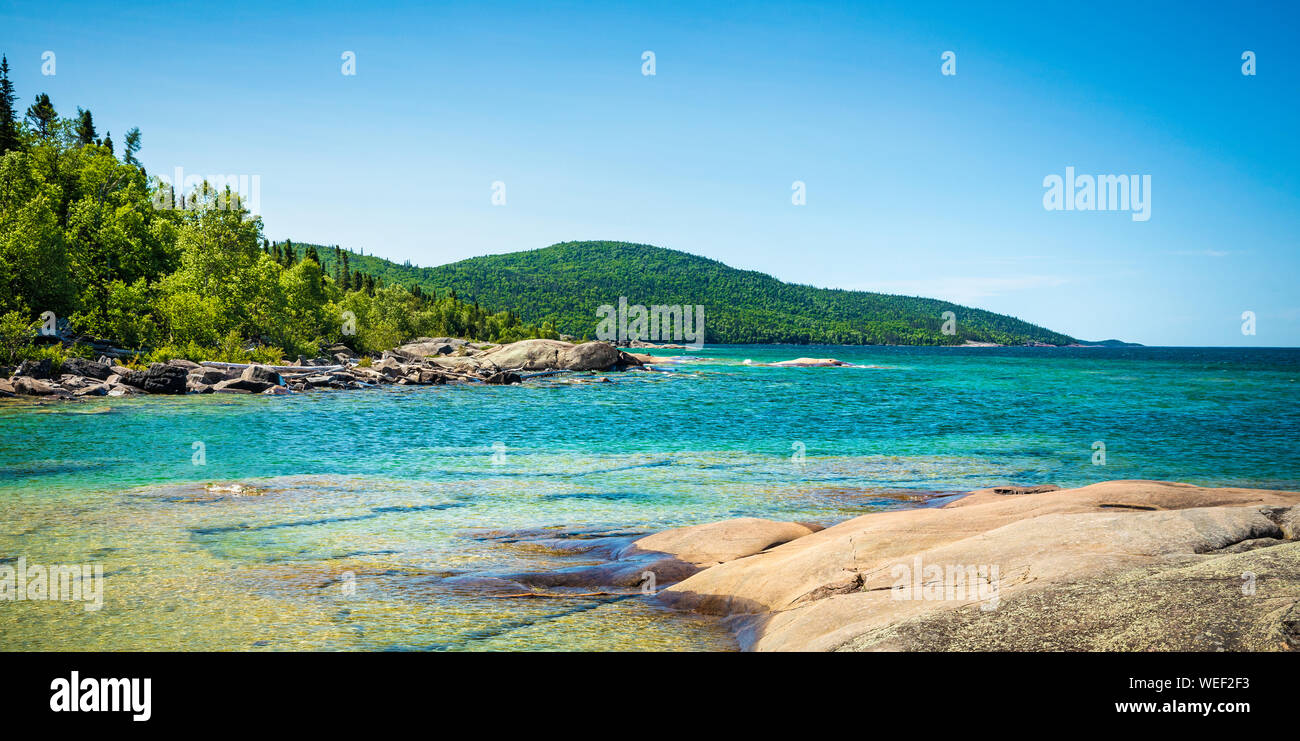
column 132, row 144
column 85, row 127
column 42, row 117
column 108, row 141
column 8, row 117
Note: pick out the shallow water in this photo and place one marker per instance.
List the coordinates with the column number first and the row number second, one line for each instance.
column 367, row 501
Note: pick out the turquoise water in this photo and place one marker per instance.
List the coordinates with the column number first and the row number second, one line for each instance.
column 391, row 490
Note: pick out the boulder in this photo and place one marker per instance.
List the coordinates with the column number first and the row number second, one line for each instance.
column 541, row 355
column 240, row 386
column 401, row 356
column 29, row 386
column 70, row 381
column 99, row 389
column 188, row 365
column 390, row 367
column 207, row 376
column 262, row 374
column 463, row 366
column 426, row 346
column 432, row 377
column 42, row 368
column 276, row 391
column 718, row 542
column 591, row 356
column 87, row 368
column 529, row 355
column 502, row 378
column 160, row 378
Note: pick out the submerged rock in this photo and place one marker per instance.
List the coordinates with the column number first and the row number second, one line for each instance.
column 810, row 363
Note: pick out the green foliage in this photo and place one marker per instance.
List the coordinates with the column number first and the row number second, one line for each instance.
column 56, row 354
column 85, row 127
column 565, row 283
column 16, row 332
column 8, row 117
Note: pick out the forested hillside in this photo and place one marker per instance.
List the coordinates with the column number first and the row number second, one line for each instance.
column 564, row 284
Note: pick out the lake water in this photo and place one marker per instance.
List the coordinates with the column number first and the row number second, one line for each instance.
column 369, row 500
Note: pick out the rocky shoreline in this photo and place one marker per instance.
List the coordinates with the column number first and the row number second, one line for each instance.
column 424, row 362
column 1115, row 566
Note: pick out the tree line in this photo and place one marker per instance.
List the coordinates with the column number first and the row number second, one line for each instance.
column 81, row 237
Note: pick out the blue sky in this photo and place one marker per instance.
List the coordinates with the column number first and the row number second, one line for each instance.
column 917, row 182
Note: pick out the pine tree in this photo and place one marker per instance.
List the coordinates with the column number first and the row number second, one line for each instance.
column 346, row 283
column 8, row 117
column 85, row 127
column 42, row 117
column 108, row 141
column 132, row 144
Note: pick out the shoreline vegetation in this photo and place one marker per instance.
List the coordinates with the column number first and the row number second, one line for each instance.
column 1115, row 566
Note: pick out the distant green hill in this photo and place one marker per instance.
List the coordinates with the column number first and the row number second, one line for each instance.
column 566, row 282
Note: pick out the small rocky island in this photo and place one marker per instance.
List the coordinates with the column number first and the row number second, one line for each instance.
column 423, row 362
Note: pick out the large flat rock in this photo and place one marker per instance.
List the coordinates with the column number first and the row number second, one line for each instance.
column 848, row 586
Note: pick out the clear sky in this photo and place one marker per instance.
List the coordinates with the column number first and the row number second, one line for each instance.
column 916, row 182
